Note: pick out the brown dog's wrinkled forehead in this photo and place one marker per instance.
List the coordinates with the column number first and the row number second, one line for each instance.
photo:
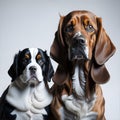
column 79, row 14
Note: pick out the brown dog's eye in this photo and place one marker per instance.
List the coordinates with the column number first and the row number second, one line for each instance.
column 69, row 28
column 89, row 28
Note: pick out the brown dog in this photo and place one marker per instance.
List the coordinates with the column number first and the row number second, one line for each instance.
column 81, row 48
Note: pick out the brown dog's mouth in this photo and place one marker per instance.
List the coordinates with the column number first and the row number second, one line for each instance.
column 77, row 50
column 78, row 58
column 76, row 54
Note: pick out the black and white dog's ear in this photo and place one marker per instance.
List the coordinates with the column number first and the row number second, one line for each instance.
column 13, row 70
column 48, row 68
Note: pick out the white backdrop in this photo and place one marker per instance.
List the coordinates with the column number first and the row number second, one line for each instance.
column 32, row 23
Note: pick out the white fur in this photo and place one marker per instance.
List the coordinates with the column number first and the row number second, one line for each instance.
column 29, row 101
column 77, row 34
column 79, row 106
column 76, row 83
column 86, row 51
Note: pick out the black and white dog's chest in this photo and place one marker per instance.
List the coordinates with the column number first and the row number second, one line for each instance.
column 32, row 104
column 28, row 96
column 30, row 116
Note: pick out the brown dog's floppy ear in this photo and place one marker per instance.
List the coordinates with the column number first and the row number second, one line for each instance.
column 60, row 30
column 60, row 76
column 99, row 74
column 57, row 50
column 59, row 53
column 104, row 47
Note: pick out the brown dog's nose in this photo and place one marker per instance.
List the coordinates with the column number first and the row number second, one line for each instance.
column 33, row 69
column 79, row 40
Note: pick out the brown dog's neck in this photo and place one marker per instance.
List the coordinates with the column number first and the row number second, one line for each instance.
column 82, row 81
column 79, row 82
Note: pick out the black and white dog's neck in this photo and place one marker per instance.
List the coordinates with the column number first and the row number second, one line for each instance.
column 31, row 72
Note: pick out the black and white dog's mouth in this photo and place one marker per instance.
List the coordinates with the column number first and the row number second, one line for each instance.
column 33, row 81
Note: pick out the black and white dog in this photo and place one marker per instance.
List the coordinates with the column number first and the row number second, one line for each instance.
column 28, row 96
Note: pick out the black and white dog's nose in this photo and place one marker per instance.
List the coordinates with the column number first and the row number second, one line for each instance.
column 33, row 69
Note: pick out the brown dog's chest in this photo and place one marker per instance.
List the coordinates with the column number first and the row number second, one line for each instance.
column 79, row 85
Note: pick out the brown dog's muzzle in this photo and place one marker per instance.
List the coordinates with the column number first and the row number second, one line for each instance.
column 77, row 48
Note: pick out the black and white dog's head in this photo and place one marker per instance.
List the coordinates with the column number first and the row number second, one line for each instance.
column 31, row 66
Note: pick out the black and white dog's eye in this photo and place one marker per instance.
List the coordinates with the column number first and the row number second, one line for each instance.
column 38, row 57
column 69, row 28
column 27, row 56
column 89, row 28
column 26, row 59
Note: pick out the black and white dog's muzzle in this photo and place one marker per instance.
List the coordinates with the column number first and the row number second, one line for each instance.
column 32, row 74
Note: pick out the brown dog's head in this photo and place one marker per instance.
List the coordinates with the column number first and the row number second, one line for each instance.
column 81, row 36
